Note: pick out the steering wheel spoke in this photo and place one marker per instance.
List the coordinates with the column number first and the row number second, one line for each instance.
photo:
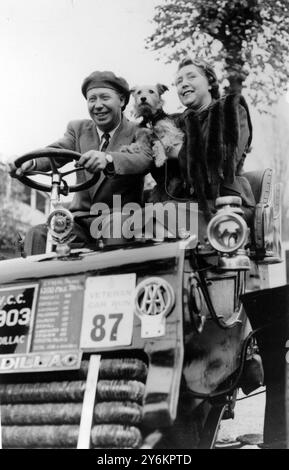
column 42, row 173
column 74, row 170
column 53, row 166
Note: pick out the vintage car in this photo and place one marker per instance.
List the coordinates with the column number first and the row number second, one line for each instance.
column 139, row 345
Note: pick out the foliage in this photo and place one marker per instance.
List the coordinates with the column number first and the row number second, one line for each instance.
column 9, row 211
column 249, row 38
column 8, row 229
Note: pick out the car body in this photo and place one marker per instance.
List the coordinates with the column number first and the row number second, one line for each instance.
column 164, row 320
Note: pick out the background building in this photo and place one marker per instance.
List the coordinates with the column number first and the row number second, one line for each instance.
column 20, row 208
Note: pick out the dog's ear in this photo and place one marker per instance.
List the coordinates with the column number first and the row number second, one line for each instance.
column 133, row 90
column 161, row 88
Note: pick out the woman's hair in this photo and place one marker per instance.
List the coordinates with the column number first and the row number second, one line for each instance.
column 206, row 69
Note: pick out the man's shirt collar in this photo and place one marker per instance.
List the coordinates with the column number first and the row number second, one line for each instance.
column 111, row 133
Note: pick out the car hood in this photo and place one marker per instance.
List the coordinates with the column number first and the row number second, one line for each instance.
column 83, row 261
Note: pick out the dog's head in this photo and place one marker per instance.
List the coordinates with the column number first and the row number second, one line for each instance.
column 148, row 99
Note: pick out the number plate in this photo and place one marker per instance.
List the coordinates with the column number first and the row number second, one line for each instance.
column 17, row 309
column 40, row 325
column 108, row 311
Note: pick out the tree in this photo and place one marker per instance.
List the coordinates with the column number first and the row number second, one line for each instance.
column 278, row 144
column 9, row 212
column 249, row 38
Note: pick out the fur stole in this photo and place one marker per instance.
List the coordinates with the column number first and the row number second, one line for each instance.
column 208, row 157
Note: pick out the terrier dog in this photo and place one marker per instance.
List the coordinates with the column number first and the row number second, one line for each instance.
column 157, row 133
column 157, row 130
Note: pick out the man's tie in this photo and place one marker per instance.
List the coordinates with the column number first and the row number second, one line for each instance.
column 104, row 142
column 102, row 148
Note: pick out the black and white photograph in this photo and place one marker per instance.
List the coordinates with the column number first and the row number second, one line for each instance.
column 144, row 227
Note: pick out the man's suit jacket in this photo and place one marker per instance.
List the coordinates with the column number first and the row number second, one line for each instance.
column 127, row 180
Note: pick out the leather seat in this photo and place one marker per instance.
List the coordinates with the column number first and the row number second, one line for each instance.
column 261, row 184
column 266, row 236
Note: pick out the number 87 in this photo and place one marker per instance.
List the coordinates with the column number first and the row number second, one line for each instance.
column 98, row 333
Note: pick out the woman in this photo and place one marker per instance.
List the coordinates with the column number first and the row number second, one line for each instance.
column 218, row 133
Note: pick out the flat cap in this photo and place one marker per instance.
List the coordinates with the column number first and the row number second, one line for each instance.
column 106, row 79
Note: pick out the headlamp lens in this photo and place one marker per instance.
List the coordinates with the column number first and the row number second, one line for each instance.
column 227, row 232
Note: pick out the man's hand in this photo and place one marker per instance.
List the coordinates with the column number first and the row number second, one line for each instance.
column 93, row 161
column 13, row 171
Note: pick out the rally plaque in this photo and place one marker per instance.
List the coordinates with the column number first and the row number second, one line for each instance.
column 59, row 314
column 17, row 309
column 40, row 325
column 108, row 312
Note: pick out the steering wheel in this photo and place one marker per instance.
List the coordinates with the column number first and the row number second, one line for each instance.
column 52, row 153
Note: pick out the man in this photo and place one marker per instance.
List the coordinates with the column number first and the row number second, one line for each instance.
column 218, row 134
column 99, row 141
